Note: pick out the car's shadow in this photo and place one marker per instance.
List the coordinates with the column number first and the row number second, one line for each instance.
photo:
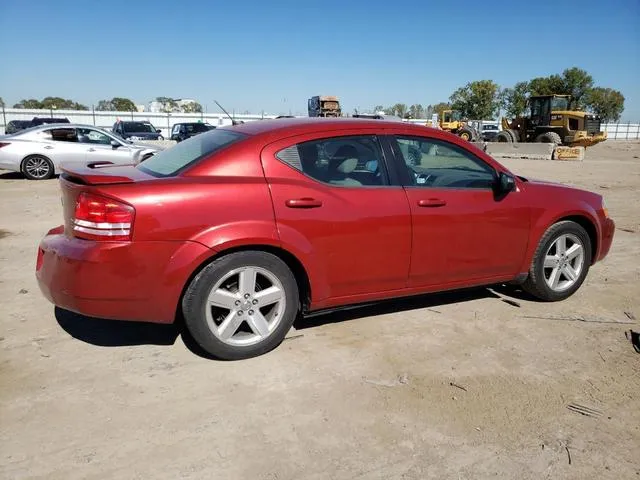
column 118, row 333
column 12, row 176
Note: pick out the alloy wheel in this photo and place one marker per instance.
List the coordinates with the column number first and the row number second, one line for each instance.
column 563, row 262
column 245, row 306
column 37, row 167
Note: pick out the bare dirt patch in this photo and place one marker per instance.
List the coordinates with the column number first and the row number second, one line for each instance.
column 460, row 385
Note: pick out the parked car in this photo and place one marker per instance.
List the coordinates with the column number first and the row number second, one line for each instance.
column 16, row 125
column 489, row 132
column 182, row 131
column 35, row 121
column 243, row 228
column 137, row 130
column 38, row 152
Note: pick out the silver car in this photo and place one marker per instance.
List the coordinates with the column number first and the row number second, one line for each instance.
column 39, row 152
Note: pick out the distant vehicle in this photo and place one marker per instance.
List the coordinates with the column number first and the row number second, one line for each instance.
column 244, row 228
column 378, row 116
column 324, row 106
column 137, row 130
column 39, row 151
column 35, row 121
column 182, row 131
column 489, row 132
column 16, row 125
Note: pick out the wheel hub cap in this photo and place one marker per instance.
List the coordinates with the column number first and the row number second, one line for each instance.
column 563, row 262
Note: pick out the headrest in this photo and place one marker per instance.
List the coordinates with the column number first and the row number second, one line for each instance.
column 347, row 165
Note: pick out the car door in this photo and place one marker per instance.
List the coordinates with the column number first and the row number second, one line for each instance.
column 98, row 147
column 462, row 231
column 333, row 198
column 60, row 144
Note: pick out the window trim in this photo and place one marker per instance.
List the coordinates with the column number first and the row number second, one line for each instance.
column 389, row 178
column 403, row 168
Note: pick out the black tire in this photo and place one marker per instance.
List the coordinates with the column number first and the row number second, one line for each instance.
column 160, row 137
column 515, row 135
column 535, row 284
column 549, row 137
column 467, row 134
column 503, row 137
column 194, row 304
column 37, row 167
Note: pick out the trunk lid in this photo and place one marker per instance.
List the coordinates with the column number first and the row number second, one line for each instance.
column 76, row 179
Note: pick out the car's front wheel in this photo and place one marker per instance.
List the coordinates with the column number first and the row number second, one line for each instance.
column 241, row 305
column 561, row 262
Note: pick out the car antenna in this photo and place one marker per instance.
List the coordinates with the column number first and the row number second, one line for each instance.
column 233, row 121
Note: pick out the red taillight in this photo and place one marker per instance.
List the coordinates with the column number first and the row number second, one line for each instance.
column 101, row 218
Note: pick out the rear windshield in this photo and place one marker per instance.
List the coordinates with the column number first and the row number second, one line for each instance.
column 138, row 127
column 174, row 159
column 196, row 127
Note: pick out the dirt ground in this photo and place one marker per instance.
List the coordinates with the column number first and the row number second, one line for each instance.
column 460, row 385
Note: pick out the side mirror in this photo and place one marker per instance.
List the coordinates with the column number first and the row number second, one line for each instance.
column 115, row 144
column 506, row 183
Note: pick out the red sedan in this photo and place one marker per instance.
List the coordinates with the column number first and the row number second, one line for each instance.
column 243, row 228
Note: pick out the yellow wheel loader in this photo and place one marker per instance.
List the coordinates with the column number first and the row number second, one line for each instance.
column 551, row 121
column 452, row 121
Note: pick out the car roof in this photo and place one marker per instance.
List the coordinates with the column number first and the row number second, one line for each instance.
column 296, row 126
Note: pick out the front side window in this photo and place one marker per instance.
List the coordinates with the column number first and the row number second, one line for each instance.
column 171, row 161
column 353, row 161
column 88, row 135
column 440, row 164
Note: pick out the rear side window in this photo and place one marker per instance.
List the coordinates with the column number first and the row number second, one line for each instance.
column 353, row 161
column 171, row 161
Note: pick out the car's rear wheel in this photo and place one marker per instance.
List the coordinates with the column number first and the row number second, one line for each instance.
column 37, row 167
column 241, row 305
column 561, row 262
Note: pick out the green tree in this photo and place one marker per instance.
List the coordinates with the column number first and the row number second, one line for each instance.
column 416, row 111
column 439, row 108
column 479, row 100
column 401, row 110
column 192, row 107
column 123, row 104
column 577, row 83
column 378, row 108
column 514, row 100
column 605, row 102
column 167, row 105
column 553, row 84
column 105, row 106
column 31, row 103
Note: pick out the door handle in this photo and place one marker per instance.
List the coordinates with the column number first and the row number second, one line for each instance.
column 432, row 202
column 91, row 150
column 48, row 147
column 303, row 203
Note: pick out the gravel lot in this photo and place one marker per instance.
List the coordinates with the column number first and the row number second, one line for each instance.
column 460, row 385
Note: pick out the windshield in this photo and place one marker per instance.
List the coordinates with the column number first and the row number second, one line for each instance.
column 171, row 161
column 197, row 127
column 133, row 127
column 559, row 103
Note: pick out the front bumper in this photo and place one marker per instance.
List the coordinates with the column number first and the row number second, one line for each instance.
column 138, row 281
column 608, row 230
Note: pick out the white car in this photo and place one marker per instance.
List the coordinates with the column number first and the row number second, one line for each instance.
column 39, row 152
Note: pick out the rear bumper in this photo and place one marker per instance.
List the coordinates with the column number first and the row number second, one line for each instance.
column 608, row 229
column 138, row 281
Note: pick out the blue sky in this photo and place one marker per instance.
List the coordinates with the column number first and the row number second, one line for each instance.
column 272, row 55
